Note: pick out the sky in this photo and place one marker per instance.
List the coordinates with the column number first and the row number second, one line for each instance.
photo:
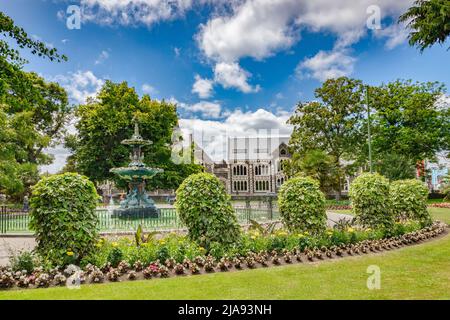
column 234, row 67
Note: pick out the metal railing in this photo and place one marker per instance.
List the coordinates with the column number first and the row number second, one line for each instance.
column 16, row 221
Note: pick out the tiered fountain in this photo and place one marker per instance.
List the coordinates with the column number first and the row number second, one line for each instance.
column 137, row 203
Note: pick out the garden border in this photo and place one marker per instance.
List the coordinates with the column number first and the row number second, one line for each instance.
column 310, row 256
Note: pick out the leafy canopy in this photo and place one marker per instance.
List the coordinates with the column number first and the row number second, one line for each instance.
column 108, row 119
column 429, row 21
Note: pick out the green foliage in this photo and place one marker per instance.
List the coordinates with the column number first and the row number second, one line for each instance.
column 394, row 166
column 204, row 206
column 302, row 205
column 23, row 260
column 107, row 120
column 409, row 200
column 115, row 256
column 408, row 120
column 333, row 125
column 32, row 117
column 63, row 217
column 9, row 29
column 318, row 165
column 429, row 21
column 369, row 194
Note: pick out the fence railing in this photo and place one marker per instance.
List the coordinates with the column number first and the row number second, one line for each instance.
column 17, row 221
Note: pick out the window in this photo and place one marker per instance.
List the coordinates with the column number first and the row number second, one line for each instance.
column 240, row 186
column 240, row 170
column 262, row 185
column 261, row 170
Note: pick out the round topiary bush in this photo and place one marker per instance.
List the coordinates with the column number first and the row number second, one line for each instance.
column 369, row 194
column 302, row 205
column 63, row 217
column 409, row 200
column 205, row 208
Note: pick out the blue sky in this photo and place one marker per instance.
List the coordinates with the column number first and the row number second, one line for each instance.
column 230, row 65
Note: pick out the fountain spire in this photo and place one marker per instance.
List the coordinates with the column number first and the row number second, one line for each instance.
column 137, row 204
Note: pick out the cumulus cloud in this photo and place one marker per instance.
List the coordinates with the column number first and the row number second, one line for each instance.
column 202, row 87
column 206, row 109
column 231, row 75
column 212, row 135
column 80, row 85
column 327, row 65
column 395, row 35
column 260, row 28
column 133, row 12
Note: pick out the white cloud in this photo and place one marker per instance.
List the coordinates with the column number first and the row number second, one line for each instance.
column 255, row 29
column 202, row 87
column 104, row 55
column 80, row 85
column 148, row 89
column 325, row 65
column 133, row 12
column 395, row 35
column 212, row 135
column 205, row 108
column 261, row 28
column 177, row 51
column 231, row 75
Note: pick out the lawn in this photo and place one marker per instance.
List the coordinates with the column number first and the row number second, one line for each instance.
column 441, row 214
column 417, row 272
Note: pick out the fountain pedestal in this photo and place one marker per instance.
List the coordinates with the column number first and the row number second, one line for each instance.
column 137, row 203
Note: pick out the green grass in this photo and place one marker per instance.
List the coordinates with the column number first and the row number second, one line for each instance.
column 441, row 214
column 417, row 272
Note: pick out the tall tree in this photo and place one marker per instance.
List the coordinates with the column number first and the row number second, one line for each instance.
column 108, row 119
column 429, row 21
column 32, row 111
column 333, row 124
column 408, row 120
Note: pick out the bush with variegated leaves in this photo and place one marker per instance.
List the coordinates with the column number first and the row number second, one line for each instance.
column 302, row 205
column 409, row 200
column 204, row 206
column 369, row 194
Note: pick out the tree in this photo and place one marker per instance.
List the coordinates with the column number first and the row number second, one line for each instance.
column 9, row 29
column 316, row 164
column 333, row 125
column 429, row 21
column 407, row 120
column 108, row 119
column 32, row 111
column 395, row 166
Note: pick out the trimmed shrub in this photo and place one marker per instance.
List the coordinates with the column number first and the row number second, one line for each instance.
column 302, row 205
column 63, row 217
column 369, row 194
column 205, row 208
column 409, row 200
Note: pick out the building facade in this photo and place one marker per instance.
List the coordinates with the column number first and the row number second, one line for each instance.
column 254, row 165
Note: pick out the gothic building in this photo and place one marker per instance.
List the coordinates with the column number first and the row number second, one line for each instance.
column 254, row 165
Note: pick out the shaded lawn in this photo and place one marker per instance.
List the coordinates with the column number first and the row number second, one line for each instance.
column 417, row 272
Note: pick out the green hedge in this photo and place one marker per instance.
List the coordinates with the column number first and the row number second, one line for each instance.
column 63, row 217
column 409, row 200
column 371, row 205
column 302, row 205
column 204, row 206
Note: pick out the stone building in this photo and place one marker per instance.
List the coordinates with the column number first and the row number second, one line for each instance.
column 254, row 165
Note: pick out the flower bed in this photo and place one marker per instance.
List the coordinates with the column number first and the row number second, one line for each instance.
column 176, row 255
column 445, row 205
